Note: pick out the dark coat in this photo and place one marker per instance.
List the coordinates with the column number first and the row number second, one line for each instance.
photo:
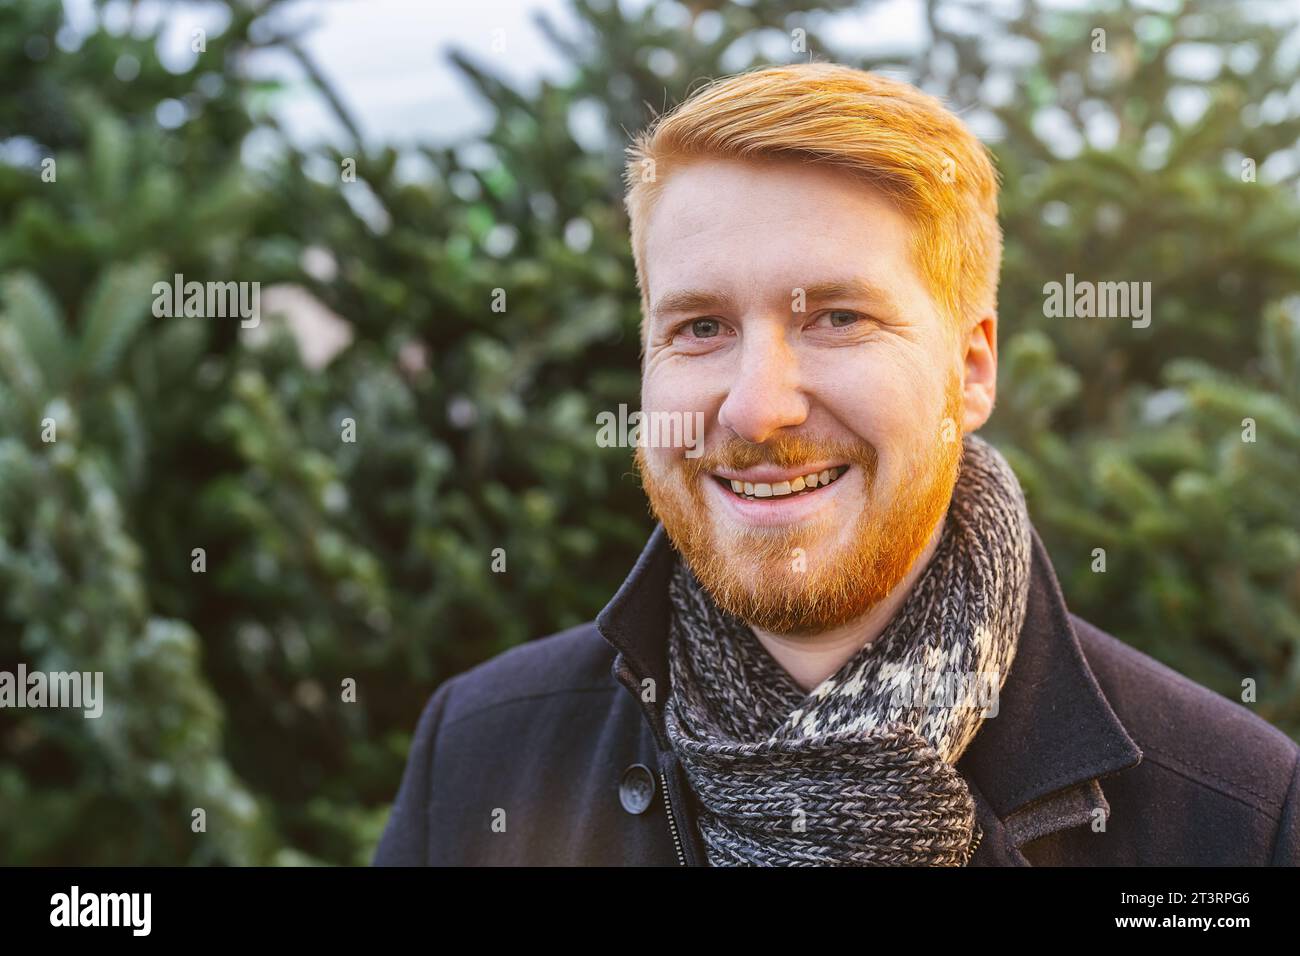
column 553, row 740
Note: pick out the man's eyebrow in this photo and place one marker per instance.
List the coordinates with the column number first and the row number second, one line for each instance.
column 692, row 300
column 847, row 289
column 701, row 301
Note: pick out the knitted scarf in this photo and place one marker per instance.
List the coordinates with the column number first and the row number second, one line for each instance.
column 860, row 771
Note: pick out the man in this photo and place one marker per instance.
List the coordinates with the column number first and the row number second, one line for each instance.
column 844, row 643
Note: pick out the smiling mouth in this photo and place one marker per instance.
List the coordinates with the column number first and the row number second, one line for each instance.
column 803, row 485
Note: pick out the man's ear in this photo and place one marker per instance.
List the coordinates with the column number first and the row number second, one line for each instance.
column 980, row 371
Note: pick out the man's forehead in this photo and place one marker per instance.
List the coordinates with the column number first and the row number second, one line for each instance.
column 761, row 188
column 794, row 292
column 800, row 227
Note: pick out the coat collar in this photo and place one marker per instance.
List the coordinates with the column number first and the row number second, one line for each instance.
column 1033, row 769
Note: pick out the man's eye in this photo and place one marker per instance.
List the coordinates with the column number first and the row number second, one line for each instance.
column 839, row 318
column 705, row 328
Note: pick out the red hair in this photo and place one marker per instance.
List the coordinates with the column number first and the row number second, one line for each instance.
column 887, row 133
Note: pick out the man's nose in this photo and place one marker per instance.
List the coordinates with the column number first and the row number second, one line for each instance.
column 766, row 394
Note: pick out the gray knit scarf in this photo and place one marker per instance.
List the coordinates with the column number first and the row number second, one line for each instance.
column 859, row 772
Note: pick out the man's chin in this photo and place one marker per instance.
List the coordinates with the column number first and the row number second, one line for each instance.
column 774, row 546
column 778, row 579
column 805, row 577
column 778, row 600
column 799, row 580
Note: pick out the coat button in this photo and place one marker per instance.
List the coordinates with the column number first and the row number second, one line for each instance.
column 637, row 788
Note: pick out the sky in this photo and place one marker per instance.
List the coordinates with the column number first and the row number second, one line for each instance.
column 387, row 58
column 392, row 54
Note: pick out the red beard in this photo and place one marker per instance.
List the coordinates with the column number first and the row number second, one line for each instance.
column 784, row 579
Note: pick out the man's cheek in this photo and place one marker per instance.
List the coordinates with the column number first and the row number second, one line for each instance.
column 665, row 462
column 664, row 467
column 673, row 419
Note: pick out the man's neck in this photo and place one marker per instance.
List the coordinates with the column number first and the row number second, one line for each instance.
column 810, row 659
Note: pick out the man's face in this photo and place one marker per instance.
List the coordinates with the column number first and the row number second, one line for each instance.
column 784, row 305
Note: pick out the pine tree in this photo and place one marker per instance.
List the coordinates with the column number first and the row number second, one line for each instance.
column 435, row 492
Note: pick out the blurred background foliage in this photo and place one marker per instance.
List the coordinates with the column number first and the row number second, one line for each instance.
column 371, row 560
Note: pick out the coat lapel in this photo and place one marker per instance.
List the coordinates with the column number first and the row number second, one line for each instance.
column 635, row 622
column 1038, row 762
column 1032, row 769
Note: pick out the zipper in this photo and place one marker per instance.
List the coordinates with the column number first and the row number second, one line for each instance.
column 672, row 819
column 979, row 835
column 623, row 673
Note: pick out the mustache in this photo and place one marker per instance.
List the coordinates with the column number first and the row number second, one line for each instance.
column 783, row 451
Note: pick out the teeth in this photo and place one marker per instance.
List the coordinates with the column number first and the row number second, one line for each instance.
column 783, row 488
